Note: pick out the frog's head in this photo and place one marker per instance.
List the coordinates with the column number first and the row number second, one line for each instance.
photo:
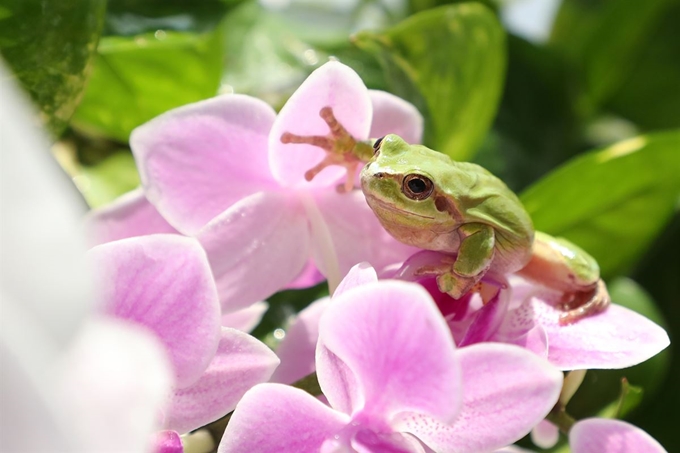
column 400, row 184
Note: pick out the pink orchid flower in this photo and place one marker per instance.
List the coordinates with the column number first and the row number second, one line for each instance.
column 297, row 349
column 164, row 283
column 217, row 170
column 526, row 314
column 523, row 314
column 394, row 381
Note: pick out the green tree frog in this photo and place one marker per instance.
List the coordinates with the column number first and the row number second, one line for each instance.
column 425, row 199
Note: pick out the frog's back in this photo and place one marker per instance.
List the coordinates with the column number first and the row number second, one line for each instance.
column 479, row 196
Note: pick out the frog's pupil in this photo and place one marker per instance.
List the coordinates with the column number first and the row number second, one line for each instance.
column 376, row 145
column 417, row 185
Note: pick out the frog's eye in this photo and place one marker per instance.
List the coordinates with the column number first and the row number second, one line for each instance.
column 376, row 145
column 417, row 187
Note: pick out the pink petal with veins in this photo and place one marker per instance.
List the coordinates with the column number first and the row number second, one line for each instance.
column 240, row 363
column 164, row 283
column 130, row 215
column 295, row 422
column 506, row 392
column 198, row 160
column 256, row 247
column 398, row 366
column 615, row 338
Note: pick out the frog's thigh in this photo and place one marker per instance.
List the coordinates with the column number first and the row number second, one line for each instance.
column 559, row 264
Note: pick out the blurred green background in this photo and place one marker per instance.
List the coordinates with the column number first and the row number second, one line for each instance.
column 574, row 103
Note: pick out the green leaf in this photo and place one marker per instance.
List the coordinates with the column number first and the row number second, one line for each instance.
column 102, row 183
column 537, row 126
column 138, row 78
column 629, row 398
column 134, row 17
column 264, row 56
column 649, row 95
column 49, row 45
column 450, row 63
column 605, row 39
column 611, row 202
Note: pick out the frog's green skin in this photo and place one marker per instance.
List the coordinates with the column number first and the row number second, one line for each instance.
column 465, row 211
column 469, row 212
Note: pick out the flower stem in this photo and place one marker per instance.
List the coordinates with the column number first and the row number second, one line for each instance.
column 559, row 417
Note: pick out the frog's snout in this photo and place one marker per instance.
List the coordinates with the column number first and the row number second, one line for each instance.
column 379, row 175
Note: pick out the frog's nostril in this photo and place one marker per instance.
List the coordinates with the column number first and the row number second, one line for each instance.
column 379, row 175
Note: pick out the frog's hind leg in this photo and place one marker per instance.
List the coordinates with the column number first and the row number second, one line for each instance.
column 585, row 304
column 563, row 266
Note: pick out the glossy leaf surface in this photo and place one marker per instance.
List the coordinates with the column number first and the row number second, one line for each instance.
column 449, row 62
column 611, row 202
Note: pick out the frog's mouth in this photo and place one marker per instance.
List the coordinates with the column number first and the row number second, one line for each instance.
column 376, row 203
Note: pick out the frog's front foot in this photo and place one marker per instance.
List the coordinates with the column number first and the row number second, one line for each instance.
column 455, row 285
column 584, row 304
column 340, row 146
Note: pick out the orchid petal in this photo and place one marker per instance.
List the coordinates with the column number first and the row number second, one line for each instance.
column 393, row 115
column 309, row 276
column 513, row 449
column 240, row 363
column 615, row 338
column 367, row 441
column 163, row 282
column 486, row 320
column 357, row 234
column 545, row 434
column 256, row 247
column 245, row 319
column 507, row 391
column 166, row 442
column 332, row 85
column 196, row 161
column 298, row 347
column 391, row 337
column 520, row 326
column 358, row 275
column 598, row 435
column 115, row 368
column 128, row 216
column 295, row 422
